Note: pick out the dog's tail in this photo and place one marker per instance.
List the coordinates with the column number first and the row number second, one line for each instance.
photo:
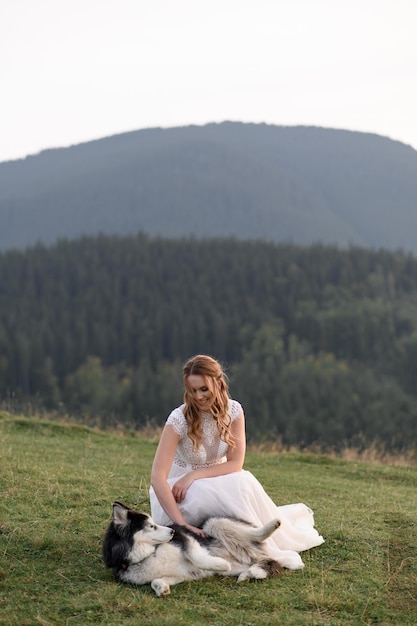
column 273, row 568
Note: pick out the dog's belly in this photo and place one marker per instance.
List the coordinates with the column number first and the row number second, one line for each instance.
column 168, row 561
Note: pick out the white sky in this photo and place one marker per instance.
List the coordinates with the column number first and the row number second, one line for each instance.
column 75, row 70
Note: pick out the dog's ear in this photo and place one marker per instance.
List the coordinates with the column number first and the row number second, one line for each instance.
column 120, row 512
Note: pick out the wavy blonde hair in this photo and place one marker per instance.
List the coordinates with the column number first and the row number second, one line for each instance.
column 217, row 381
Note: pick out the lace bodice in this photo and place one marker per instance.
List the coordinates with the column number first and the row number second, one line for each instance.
column 212, row 450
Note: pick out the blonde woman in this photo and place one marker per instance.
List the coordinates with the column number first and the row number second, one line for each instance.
column 198, row 468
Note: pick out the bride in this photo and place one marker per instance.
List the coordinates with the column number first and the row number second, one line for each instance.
column 198, row 468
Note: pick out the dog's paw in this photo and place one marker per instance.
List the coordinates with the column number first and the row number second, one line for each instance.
column 160, row 587
column 255, row 571
column 219, row 565
column 273, row 525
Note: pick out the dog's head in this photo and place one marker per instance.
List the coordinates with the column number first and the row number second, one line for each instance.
column 127, row 531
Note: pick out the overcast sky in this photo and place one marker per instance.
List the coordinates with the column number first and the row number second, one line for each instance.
column 75, row 70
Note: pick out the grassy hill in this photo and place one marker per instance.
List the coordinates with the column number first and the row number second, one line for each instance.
column 57, row 486
column 299, row 184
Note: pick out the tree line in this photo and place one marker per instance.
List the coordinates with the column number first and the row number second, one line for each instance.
column 320, row 343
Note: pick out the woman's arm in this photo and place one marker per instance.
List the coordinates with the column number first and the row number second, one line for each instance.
column 164, row 457
column 162, row 462
column 234, row 463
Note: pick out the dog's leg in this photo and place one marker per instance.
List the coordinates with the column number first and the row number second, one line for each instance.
column 260, row 534
column 232, row 531
column 262, row 569
column 161, row 586
column 201, row 558
column 255, row 571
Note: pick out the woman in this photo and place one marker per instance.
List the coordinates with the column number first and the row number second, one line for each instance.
column 198, row 468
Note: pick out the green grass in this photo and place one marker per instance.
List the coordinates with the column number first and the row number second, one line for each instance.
column 57, row 486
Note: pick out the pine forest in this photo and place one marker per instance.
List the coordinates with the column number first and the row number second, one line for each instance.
column 319, row 343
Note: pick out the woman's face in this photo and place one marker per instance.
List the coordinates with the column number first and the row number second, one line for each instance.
column 201, row 392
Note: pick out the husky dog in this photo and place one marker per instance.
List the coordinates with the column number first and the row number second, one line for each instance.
column 142, row 552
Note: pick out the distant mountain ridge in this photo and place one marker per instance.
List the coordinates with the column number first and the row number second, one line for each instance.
column 295, row 184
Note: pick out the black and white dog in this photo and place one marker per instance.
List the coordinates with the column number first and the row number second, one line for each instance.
column 141, row 552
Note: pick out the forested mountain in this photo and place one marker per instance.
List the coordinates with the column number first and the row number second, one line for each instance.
column 284, row 184
column 320, row 343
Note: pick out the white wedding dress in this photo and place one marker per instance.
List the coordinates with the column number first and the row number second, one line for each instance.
column 238, row 494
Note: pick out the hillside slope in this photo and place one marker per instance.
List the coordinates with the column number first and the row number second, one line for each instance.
column 58, row 484
column 300, row 184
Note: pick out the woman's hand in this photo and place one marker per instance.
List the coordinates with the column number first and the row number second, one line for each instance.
column 181, row 487
column 196, row 531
